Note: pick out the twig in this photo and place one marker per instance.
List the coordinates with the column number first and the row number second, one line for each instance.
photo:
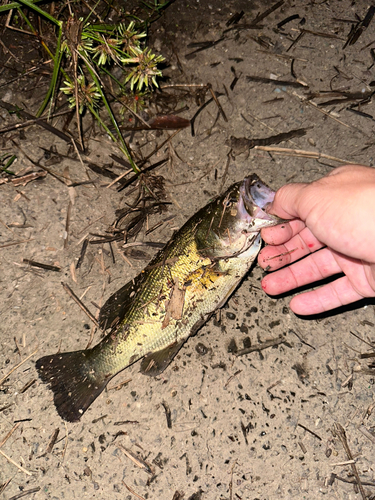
column 260, row 347
column 167, row 414
column 342, row 464
column 17, row 366
column 117, row 387
column 231, row 378
column 231, row 481
column 20, row 125
column 4, row 485
column 119, row 178
column 315, row 106
column 11, row 108
column 52, row 441
column 361, row 339
column 300, row 152
column 310, row 431
column 367, row 433
column 15, row 243
column 5, row 439
column 41, row 265
column 267, row 12
column 142, row 464
column 339, row 431
column 217, row 102
column 66, row 442
column 67, row 223
column 15, row 463
column 25, row 493
column 132, row 491
column 81, row 305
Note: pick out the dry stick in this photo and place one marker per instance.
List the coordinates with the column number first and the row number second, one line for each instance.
column 310, row 431
column 224, row 177
column 17, row 126
column 28, row 72
column 231, row 378
column 78, row 153
column 53, row 440
column 260, row 347
column 28, row 385
column 168, row 414
column 162, row 144
column 361, row 339
column 340, row 433
column 119, row 386
column 25, row 493
column 37, row 164
column 17, row 366
column 9, row 434
column 66, row 441
column 38, row 121
column 300, row 152
column 41, row 265
column 281, row 56
column 81, row 305
column 267, row 12
column 15, row 463
column 142, row 464
column 367, row 433
column 67, row 223
column 143, row 161
column 342, row 464
column 16, row 243
column 119, row 177
column 132, row 491
column 315, row 106
column 217, row 102
column 231, row 481
column 4, row 485
column 351, row 481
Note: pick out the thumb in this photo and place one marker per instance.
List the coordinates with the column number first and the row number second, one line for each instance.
column 286, row 203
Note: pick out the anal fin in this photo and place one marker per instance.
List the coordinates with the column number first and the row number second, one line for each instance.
column 155, row 363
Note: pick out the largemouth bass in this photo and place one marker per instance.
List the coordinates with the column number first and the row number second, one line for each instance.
column 154, row 314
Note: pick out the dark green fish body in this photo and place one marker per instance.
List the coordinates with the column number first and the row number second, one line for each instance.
column 153, row 314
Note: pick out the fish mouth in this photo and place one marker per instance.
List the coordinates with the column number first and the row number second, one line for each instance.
column 256, row 198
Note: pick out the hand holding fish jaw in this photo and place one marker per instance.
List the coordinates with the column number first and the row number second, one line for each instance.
column 333, row 228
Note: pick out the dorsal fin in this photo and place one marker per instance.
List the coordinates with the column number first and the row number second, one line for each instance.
column 116, row 306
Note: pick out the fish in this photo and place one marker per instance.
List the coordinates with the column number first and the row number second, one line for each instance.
column 151, row 317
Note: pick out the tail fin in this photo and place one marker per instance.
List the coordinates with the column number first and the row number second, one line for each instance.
column 74, row 383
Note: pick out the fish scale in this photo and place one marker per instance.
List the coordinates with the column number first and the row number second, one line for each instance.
column 154, row 314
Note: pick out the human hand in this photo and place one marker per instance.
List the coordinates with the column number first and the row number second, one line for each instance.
column 333, row 228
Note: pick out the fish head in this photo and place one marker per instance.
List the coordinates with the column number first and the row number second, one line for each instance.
column 233, row 221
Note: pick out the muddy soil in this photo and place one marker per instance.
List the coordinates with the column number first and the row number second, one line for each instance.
column 258, row 426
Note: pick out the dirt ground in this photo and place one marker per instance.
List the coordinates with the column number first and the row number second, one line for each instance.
column 253, row 427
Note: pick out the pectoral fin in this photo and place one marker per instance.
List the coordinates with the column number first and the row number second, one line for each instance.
column 156, row 362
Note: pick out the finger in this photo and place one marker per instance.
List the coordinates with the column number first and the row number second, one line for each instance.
column 338, row 293
column 315, row 267
column 281, row 233
column 303, row 243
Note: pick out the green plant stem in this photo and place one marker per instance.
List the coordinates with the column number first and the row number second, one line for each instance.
column 13, row 5
column 56, row 68
column 37, row 9
column 99, row 87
